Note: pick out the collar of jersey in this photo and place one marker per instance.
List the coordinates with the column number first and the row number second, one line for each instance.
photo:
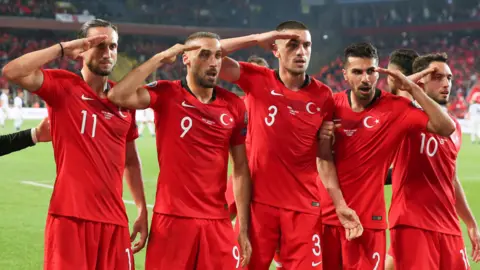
column 184, row 83
column 377, row 95
column 305, row 83
column 107, row 85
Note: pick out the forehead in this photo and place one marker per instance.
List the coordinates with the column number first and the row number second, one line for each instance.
column 442, row 68
column 210, row 44
column 112, row 35
column 361, row 63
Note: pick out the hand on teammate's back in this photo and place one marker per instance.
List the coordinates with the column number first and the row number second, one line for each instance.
column 42, row 131
column 74, row 48
column 350, row 221
column 474, row 235
column 169, row 56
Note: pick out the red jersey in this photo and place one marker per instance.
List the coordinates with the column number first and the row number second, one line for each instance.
column 89, row 143
column 422, row 182
column 364, row 147
column 283, row 138
column 193, row 142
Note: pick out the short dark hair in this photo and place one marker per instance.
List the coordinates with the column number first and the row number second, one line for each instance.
column 291, row 25
column 92, row 24
column 422, row 62
column 198, row 35
column 362, row 50
column 258, row 60
column 404, row 58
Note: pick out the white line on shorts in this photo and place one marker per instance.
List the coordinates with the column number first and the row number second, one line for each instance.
column 31, row 183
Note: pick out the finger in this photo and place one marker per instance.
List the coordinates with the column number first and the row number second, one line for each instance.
column 338, row 125
column 360, row 230
column 385, row 71
column 283, row 35
column 419, row 75
column 476, row 252
column 190, row 47
column 95, row 40
column 133, row 235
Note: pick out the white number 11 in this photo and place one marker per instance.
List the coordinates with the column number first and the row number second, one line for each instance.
column 84, row 122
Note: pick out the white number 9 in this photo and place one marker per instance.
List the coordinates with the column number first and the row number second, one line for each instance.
column 236, row 256
column 186, row 125
column 316, row 244
column 272, row 115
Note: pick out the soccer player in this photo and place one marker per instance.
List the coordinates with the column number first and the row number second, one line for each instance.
column 197, row 124
column 3, row 107
column 425, row 206
column 373, row 123
column 93, row 143
column 147, row 120
column 17, row 110
column 474, row 117
column 286, row 109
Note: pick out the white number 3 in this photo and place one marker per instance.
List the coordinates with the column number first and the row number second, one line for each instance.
column 317, row 249
column 272, row 115
column 186, row 125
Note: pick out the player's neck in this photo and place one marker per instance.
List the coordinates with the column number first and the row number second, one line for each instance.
column 359, row 105
column 203, row 94
column 96, row 82
column 291, row 81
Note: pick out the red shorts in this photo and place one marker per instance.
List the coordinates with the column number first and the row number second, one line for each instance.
column 190, row 243
column 297, row 234
column 432, row 250
column 72, row 243
column 365, row 252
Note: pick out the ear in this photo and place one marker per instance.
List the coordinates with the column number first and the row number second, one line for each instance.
column 275, row 51
column 344, row 74
column 185, row 59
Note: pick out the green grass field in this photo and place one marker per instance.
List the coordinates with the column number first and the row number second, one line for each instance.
column 23, row 207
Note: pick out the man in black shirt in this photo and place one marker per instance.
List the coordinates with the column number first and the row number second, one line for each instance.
column 20, row 140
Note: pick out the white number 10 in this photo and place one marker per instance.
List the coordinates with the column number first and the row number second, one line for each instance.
column 426, row 147
column 84, row 122
column 186, row 125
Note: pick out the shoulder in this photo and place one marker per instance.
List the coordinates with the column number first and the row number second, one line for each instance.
column 389, row 98
column 320, row 87
column 60, row 73
column 162, row 85
column 228, row 96
column 340, row 96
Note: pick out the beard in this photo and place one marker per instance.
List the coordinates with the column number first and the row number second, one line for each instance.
column 203, row 81
column 95, row 69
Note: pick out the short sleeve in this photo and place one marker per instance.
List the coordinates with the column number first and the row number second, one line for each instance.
column 52, row 90
column 240, row 130
column 133, row 130
column 158, row 90
column 251, row 76
column 411, row 117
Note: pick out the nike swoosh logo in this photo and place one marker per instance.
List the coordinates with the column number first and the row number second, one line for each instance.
column 184, row 104
column 275, row 93
column 314, row 264
column 86, row 98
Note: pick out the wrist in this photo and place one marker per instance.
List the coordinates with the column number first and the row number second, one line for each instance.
column 34, row 135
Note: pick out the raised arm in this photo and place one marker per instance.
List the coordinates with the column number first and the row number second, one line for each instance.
column 230, row 68
column 439, row 122
column 25, row 70
column 129, row 92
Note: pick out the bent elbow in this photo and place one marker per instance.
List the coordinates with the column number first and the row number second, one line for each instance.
column 449, row 129
column 8, row 72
